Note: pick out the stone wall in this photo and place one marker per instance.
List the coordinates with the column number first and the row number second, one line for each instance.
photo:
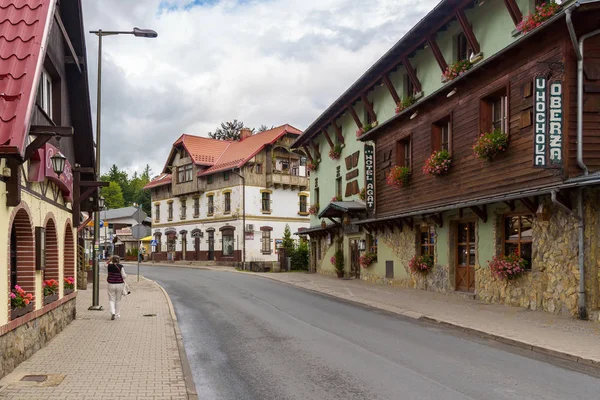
column 22, row 342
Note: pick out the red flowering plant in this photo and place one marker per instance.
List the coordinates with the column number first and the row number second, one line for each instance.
column 19, row 298
column 312, row 166
column 456, row 69
column 422, row 264
column 365, row 128
column 508, row 267
column 367, row 259
column 488, row 145
column 542, row 13
column 438, row 164
column 313, row 209
column 335, row 152
column 69, row 283
column 398, row 176
column 50, row 287
column 336, row 198
column 404, row 104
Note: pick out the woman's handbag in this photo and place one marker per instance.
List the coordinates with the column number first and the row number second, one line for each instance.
column 126, row 289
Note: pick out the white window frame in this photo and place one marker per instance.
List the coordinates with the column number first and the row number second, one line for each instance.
column 45, row 93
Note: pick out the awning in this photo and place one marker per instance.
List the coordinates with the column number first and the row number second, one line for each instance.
column 316, row 229
column 337, row 209
column 146, row 239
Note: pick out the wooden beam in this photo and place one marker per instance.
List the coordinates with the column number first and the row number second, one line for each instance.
column 88, row 192
column 95, row 184
column 438, row 219
column 564, row 200
column 62, row 131
column 70, row 60
column 338, row 132
column 328, row 138
column 84, row 223
column 408, row 221
column 13, row 184
column 398, row 223
column 85, row 170
column 307, row 150
column 439, row 57
column 389, row 225
column 514, row 11
column 481, row 212
column 355, row 116
column 66, row 37
column 411, row 74
column 391, row 88
column 531, row 205
column 369, row 106
column 460, row 213
column 315, row 147
column 511, row 204
column 466, row 27
column 37, row 143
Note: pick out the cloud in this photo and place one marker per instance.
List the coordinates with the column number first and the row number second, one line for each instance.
column 263, row 62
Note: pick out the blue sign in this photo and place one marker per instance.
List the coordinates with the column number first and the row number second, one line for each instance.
column 154, row 243
column 101, row 224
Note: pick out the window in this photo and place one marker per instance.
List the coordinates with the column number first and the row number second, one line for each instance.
column 371, row 244
column 184, row 173
column 266, row 240
column 441, row 135
column 170, row 211
column 266, row 202
column 196, row 206
column 209, row 179
column 157, row 212
column 226, row 175
column 227, row 243
column 317, row 195
column 493, row 113
column 211, row 204
column 183, row 208
column 157, row 237
column 338, row 188
column 462, row 49
column 258, row 169
column 518, row 236
column 303, row 204
column 44, row 94
column 403, row 152
column 227, row 202
column 427, row 240
column 409, row 87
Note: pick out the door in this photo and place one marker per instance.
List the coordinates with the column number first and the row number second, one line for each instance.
column 466, row 253
column 313, row 257
column 197, row 247
column 354, row 259
column 211, row 245
column 183, row 245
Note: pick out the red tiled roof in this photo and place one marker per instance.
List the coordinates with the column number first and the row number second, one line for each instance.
column 204, row 151
column 160, row 180
column 24, row 26
column 238, row 153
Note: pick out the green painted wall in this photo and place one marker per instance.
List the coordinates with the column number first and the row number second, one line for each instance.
column 442, row 244
column 385, row 253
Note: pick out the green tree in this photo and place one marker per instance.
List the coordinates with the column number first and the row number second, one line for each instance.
column 263, row 128
column 287, row 242
column 113, row 196
column 300, row 256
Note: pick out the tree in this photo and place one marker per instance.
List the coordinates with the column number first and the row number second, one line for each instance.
column 287, row 242
column 263, row 128
column 113, row 196
column 228, row 130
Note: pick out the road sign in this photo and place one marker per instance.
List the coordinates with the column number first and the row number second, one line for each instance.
column 101, row 224
column 153, row 243
column 140, row 231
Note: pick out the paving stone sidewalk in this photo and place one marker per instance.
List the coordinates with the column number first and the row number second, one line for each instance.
column 133, row 357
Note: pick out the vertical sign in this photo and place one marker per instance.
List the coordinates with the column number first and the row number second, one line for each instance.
column 555, row 124
column 539, row 152
column 370, row 177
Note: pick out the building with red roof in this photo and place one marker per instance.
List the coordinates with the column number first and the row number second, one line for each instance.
column 209, row 188
column 44, row 111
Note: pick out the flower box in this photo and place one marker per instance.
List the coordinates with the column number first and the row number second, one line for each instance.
column 488, row 145
column 20, row 311
column 438, row 164
column 456, row 69
column 69, row 291
column 542, row 13
column 335, row 152
column 508, row 267
column 405, row 103
column 398, row 176
column 50, row 298
column 421, row 264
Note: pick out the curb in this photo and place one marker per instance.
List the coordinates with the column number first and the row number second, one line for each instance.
column 190, row 386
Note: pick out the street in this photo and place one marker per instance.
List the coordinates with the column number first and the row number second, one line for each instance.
column 248, row 337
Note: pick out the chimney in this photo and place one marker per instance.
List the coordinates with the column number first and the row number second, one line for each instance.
column 245, row 133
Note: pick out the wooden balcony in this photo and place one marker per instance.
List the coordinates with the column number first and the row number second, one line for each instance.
column 287, row 181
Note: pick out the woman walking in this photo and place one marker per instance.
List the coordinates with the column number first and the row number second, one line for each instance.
column 116, row 282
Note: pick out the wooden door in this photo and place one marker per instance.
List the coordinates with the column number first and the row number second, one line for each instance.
column 354, row 259
column 211, row 245
column 197, row 247
column 466, row 254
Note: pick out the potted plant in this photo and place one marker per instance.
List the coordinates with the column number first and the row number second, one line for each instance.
column 367, row 259
column 313, row 209
column 21, row 302
column 338, row 261
column 336, row 198
column 438, row 163
column 421, row 264
column 365, row 128
column 489, row 144
column 398, row 176
column 542, row 13
column 69, row 284
column 404, row 104
column 323, row 224
column 312, row 166
column 50, row 287
column 508, row 267
column 363, row 194
column 335, row 152
column 456, row 69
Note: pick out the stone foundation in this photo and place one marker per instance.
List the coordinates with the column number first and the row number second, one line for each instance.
column 20, row 343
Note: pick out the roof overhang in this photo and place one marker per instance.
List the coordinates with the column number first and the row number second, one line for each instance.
column 317, row 230
column 337, row 209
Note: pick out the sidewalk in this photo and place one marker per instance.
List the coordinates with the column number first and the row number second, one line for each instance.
column 134, row 357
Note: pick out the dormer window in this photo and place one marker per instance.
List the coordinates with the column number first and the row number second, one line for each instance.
column 462, row 49
column 185, row 173
column 44, row 94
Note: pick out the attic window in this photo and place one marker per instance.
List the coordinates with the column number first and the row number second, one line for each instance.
column 44, row 93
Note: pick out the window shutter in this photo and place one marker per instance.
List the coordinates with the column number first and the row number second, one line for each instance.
column 485, row 116
column 401, row 153
column 436, row 138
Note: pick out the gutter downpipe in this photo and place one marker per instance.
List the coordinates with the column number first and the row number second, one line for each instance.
column 243, row 216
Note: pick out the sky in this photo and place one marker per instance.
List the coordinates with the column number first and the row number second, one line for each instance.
column 267, row 62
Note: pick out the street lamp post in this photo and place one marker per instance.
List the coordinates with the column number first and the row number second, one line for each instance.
column 147, row 33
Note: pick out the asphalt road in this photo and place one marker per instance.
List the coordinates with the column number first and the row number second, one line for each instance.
column 247, row 337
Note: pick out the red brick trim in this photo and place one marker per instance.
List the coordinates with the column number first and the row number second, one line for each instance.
column 52, row 248
column 69, row 253
column 21, row 221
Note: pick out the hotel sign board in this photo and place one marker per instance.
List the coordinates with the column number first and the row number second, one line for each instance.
column 370, row 177
column 548, row 124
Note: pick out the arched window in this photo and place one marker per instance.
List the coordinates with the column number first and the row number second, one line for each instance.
column 227, row 241
column 22, row 251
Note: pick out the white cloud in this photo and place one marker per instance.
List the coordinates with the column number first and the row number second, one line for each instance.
column 262, row 62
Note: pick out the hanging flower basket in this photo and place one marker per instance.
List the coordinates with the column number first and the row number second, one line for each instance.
column 335, row 152
column 398, row 176
column 313, row 209
column 456, row 69
column 312, row 166
column 490, row 144
column 366, row 128
column 367, row 259
column 404, row 104
column 363, row 194
column 421, row 264
column 542, row 13
column 508, row 267
column 438, row 164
